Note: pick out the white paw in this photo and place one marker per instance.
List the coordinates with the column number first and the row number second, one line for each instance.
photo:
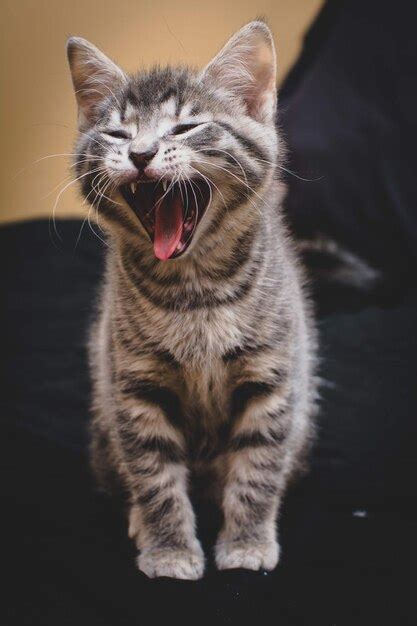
column 231, row 555
column 183, row 564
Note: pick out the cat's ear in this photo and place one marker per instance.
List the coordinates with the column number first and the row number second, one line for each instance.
column 95, row 77
column 245, row 69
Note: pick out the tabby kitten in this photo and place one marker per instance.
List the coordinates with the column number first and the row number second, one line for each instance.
column 203, row 352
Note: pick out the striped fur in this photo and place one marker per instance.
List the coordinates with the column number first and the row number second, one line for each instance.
column 202, row 364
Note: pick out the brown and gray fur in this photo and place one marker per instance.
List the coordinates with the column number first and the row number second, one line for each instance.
column 205, row 364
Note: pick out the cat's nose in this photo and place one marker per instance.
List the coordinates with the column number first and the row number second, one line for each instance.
column 141, row 158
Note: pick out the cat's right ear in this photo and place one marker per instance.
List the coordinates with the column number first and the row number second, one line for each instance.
column 245, row 71
column 95, row 78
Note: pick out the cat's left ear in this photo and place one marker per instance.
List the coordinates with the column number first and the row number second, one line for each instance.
column 95, row 78
column 245, row 70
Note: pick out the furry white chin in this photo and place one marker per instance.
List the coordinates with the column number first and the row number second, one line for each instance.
column 169, row 212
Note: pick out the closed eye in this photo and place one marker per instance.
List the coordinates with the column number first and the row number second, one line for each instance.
column 119, row 134
column 183, row 128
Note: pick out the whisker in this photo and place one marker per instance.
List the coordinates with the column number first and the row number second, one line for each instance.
column 48, row 156
column 248, row 198
column 59, row 196
column 242, row 182
column 305, row 180
column 186, row 197
column 101, row 191
column 212, row 183
column 66, row 179
column 96, row 189
column 197, row 209
column 93, row 188
column 91, row 227
column 112, row 186
column 158, row 202
column 233, row 157
column 180, row 188
column 274, row 164
column 88, row 159
column 80, row 233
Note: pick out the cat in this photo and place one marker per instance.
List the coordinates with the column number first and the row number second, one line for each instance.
column 203, row 351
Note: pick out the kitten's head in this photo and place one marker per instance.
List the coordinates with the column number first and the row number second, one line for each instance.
column 163, row 154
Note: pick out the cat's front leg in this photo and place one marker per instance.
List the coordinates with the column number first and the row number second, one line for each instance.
column 255, row 474
column 162, row 520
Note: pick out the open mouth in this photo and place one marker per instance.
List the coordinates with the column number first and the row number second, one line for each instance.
column 169, row 212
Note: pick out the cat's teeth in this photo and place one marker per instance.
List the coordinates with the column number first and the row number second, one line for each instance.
column 133, row 187
column 164, row 185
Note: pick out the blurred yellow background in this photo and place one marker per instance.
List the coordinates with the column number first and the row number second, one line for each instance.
column 38, row 107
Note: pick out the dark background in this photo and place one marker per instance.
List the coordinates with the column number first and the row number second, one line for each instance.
column 348, row 528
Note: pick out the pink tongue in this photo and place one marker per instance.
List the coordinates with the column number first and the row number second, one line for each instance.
column 169, row 225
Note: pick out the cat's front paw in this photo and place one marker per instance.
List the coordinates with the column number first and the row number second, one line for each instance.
column 173, row 563
column 247, row 555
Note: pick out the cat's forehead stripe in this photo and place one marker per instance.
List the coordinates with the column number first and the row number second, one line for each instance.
column 168, row 94
column 130, row 112
column 186, row 110
column 115, row 118
column 169, row 107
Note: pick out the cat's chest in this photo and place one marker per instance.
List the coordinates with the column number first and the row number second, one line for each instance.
column 199, row 337
column 206, row 388
column 206, row 404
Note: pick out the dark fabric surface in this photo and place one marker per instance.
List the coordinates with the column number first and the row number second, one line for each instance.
column 69, row 558
column 347, row 528
column 348, row 112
